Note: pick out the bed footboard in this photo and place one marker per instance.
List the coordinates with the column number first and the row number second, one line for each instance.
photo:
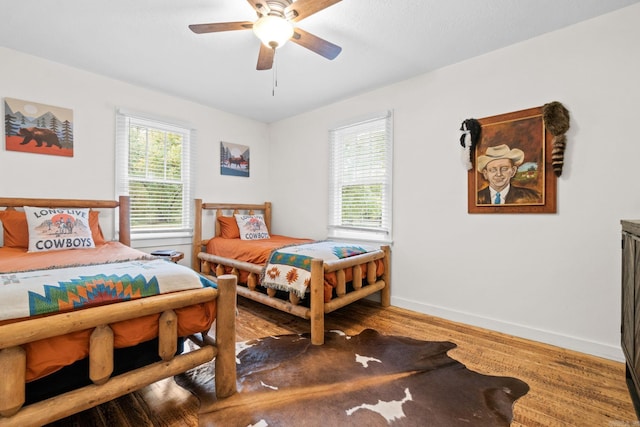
column 212, row 266
column 105, row 387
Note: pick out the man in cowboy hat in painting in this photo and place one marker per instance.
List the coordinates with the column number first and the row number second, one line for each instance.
column 498, row 166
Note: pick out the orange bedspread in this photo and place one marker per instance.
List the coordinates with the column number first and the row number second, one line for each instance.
column 18, row 259
column 258, row 252
column 49, row 355
column 253, row 251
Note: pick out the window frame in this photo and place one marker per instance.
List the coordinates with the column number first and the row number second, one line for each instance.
column 338, row 135
column 124, row 120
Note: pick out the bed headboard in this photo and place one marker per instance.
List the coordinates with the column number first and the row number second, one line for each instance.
column 122, row 204
column 222, row 209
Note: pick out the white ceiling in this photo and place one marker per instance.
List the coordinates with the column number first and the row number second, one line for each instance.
column 147, row 43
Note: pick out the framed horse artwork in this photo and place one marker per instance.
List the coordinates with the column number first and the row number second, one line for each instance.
column 234, row 159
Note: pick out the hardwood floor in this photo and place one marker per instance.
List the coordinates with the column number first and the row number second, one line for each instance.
column 567, row 388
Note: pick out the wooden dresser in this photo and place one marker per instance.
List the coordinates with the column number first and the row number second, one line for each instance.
column 631, row 307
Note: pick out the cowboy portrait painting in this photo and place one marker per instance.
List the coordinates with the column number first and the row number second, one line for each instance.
column 500, row 165
column 510, row 173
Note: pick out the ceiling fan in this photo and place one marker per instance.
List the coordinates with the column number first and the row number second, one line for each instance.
column 275, row 25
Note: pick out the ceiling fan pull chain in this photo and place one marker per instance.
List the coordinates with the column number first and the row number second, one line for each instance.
column 274, row 83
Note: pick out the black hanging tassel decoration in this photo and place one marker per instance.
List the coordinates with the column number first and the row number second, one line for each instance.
column 471, row 130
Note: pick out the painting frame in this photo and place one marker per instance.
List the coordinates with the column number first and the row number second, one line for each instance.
column 519, row 130
column 33, row 127
column 235, row 159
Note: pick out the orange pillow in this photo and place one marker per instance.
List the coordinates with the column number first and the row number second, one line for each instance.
column 228, row 227
column 16, row 230
column 96, row 231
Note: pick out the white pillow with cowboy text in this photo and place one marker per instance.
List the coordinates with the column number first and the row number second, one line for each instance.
column 54, row 229
column 252, row 227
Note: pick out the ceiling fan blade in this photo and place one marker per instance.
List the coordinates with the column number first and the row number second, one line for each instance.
column 315, row 43
column 265, row 57
column 260, row 6
column 220, row 26
column 300, row 9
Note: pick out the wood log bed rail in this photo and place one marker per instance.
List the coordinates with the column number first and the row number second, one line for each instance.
column 13, row 411
column 214, row 266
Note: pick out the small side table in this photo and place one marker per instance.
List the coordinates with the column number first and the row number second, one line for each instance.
column 172, row 255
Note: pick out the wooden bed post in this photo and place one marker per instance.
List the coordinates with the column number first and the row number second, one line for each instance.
column 267, row 215
column 101, row 354
column 225, row 363
column 124, row 218
column 197, row 235
column 317, row 302
column 14, row 363
column 385, row 293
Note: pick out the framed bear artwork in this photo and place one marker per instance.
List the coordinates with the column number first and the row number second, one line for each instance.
column 31, row 127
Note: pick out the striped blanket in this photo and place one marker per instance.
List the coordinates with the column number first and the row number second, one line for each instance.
column 289, row 268
column 62, row 289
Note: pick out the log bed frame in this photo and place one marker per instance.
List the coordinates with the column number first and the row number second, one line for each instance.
column 104, row 387
column 213, row 265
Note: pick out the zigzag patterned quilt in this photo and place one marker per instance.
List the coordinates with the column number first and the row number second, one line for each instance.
column 62, row 289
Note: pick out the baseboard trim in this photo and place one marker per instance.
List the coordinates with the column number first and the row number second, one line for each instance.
column 548, row 337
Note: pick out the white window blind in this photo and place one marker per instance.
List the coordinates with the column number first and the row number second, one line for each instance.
column 153, row 167
column 360, row 179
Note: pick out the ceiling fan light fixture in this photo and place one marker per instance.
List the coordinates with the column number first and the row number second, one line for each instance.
column 273, row 31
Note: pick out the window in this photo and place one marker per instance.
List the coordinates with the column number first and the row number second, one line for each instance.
column 360, row 179
column 153, row 167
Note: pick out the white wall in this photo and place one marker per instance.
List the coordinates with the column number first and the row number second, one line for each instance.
column 94, row 99
column 559, row 279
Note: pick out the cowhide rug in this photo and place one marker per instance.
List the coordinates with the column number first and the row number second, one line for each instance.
column 364, row 380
